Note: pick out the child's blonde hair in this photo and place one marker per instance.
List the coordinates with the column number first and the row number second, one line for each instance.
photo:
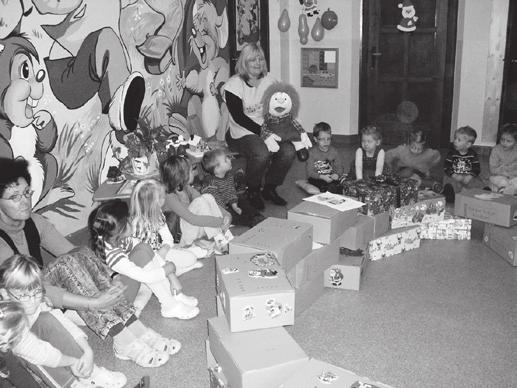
column 371, row 130
column 144, row 210
column 13, row 324
column 20, row 272
column 175, row 173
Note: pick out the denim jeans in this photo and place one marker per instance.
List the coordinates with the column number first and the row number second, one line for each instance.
column 260, row 162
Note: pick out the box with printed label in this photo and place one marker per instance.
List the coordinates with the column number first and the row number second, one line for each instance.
column 394, row 242
column 314, row 264
column 290, row 240
column 256, row 358
column 359, row 234
column 502, row 241
column 215, row 372
column 346, row 274
column 254, row 291
column 481, row 205
column 378, row 197
column 450, row 228
column 319, row 374
column 429, row 208
column 327, row 223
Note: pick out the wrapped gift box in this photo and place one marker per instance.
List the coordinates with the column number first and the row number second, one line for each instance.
column 256, row 358
column 313, row 265
column 359, row 234
column 493, row 208
column 378, row 197
column 407, row 192
column 319, row 374
column 327, row 223
column 254, row 291
column 450, row 228
column 394, row 242
column 502, row 241
column 215, row 372
column 346, row 274
column 429, row 208
column 381, row 224
column 290, row 240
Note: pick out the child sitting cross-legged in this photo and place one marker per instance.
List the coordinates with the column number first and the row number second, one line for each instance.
column 220, row 183
column 43, row 336
column 369, row 158
column 324, row 165
column 413, row 160
column 503, row 161
column 461, row 166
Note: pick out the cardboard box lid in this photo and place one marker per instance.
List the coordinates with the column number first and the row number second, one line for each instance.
column 257, row 349
column 484, row 195
column 319, row 374
column 239, row 283
column 315, row 209
column 510, row 232
column 270, row 233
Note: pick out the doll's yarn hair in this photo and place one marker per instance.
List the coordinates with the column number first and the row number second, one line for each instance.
column 13, row 324
column 281, row 87
column 508, row 129
column 106, row 223
column 372, row 130
column 175, row 173
column 20, row 272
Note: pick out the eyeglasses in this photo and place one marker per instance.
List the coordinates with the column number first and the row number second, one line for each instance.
column 18, row 197
column 25, row 297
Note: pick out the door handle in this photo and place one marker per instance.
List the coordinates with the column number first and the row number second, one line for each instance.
column 374, row 56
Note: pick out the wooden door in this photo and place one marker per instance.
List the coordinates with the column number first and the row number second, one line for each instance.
column 508, row 112
column 404, row 70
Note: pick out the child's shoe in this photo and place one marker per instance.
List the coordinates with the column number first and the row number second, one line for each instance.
column 102, row 377
column 180, row 311
column 448, row 193
column 160, row 343
column 188, row 300
column 141, row 353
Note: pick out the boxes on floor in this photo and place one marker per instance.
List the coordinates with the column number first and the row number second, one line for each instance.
column 257, row 358
column 254, row 291
column 378, row 197
column 381, row 224
column 450, row 228
column 308, row 293
column 407, row 192
column 502, row 241
column 394, row 242
column 313, row 265
column 359, row 234
column 327, row 223
column 345, row 274
column 290, row 240
column 429, row 208
column 215, row 371
column 319, row 374
column 493, row 208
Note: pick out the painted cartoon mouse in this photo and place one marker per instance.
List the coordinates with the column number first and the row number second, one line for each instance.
column 21, row 88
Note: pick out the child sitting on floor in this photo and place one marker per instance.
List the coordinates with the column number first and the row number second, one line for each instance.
column 413, row 160
column 220, row 183
column 461, row 166
column 503, row 161
column 111, row 232
column 58, row 349
column 369, row 158
column 196, row 217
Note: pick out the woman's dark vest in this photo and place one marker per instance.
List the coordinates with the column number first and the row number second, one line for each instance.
column 33, row 241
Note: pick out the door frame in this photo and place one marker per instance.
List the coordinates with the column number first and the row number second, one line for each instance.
column 448, row 82
column 512, row 9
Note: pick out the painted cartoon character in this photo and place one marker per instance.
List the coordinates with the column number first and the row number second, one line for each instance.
column 310, row 7
column 202, row 71
column 21, row 88
column 407, row 24
column 248, row 21
column 336, row 276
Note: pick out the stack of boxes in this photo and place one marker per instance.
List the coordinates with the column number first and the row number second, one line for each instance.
column 499, row 213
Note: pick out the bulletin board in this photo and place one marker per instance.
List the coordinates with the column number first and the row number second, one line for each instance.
column 319, row 67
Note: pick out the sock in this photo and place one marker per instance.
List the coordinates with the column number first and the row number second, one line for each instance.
column 124, row 338
column 137, row 328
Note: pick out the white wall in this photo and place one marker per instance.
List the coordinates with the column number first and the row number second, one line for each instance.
column 339, row 107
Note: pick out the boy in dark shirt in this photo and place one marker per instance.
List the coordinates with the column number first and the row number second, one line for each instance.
column 461, row 167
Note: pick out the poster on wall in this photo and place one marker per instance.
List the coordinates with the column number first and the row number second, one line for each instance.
column 319, row 67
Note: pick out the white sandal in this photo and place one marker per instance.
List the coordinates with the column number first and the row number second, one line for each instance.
column 142, row 354
column 160, row 343
column 188, row 300
column 180, row 311
column 105, row 378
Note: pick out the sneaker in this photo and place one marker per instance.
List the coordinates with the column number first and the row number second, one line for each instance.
column 180, row 311
column 255, row 199
column 188, row 300
column 270, row 194
column 448, row 192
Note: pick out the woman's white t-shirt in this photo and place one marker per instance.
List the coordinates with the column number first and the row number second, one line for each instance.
column 251, row 97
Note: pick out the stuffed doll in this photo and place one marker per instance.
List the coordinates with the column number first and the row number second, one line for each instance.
column 281, row 103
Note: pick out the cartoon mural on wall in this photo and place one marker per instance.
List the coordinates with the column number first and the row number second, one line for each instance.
column 90, row 72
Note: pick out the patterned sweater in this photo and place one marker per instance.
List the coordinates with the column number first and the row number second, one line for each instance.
column 456, row 163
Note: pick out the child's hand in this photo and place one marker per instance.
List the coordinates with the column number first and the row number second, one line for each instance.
column 236, row 208
column 457, row 177
column 109, row 298
column 227, row 221
column 169, row 268
column 326, row 178
column 334, row 177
